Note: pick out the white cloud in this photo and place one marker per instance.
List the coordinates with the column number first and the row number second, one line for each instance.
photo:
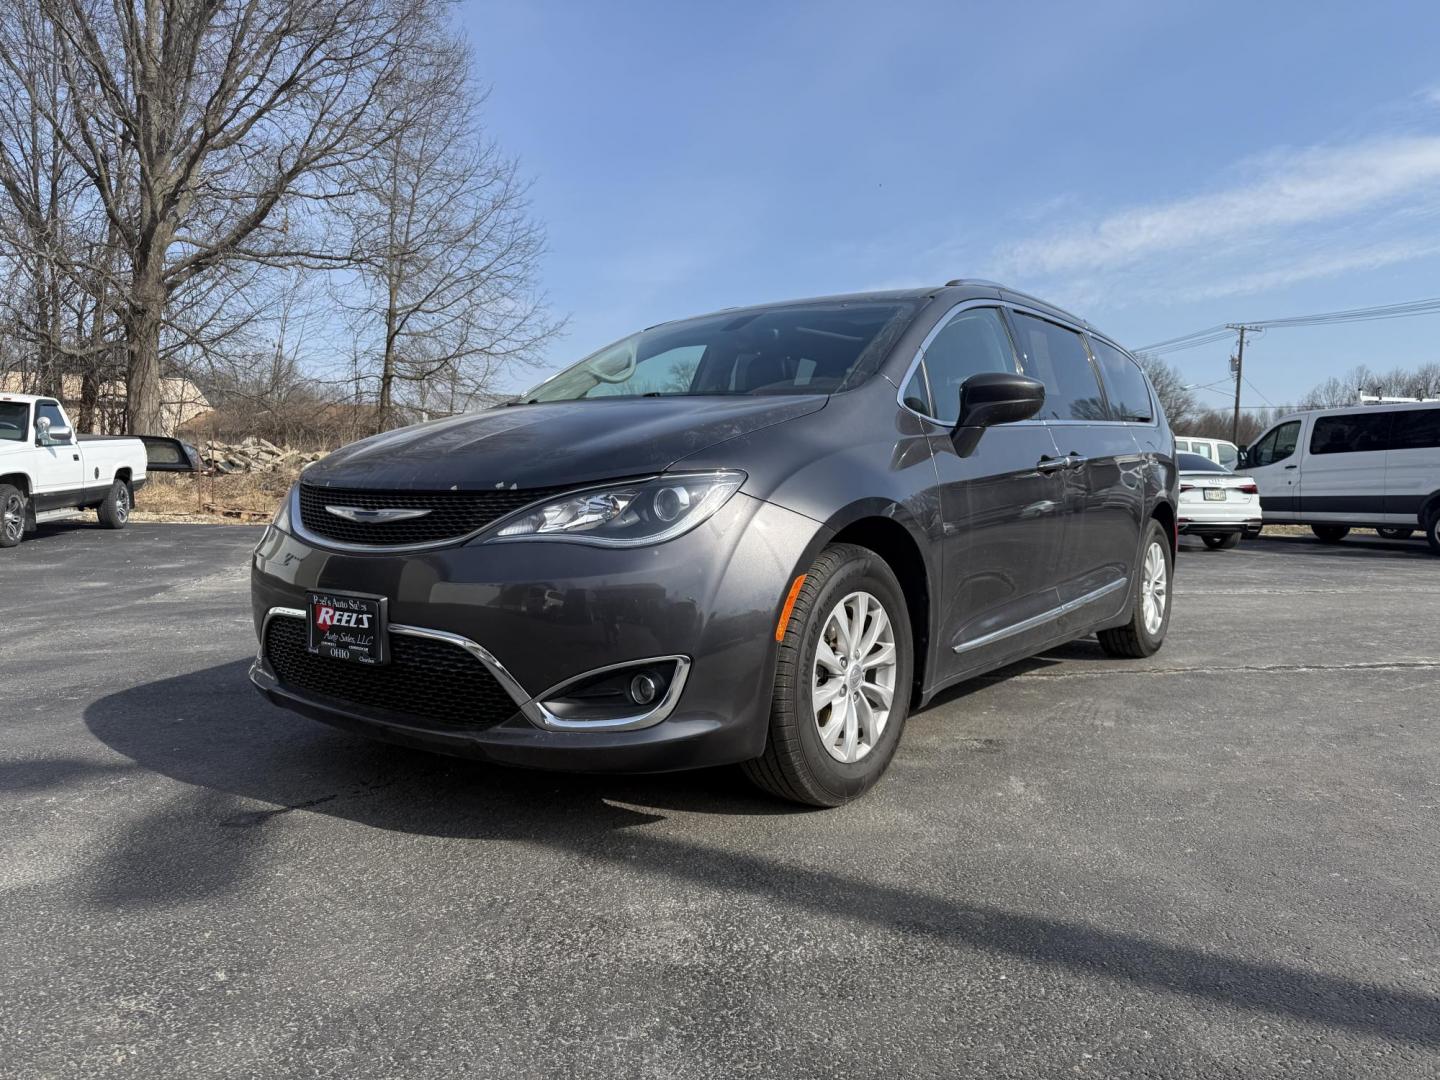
column 1290, row 189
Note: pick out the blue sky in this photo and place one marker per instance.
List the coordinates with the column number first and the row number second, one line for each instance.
column 1157, row 167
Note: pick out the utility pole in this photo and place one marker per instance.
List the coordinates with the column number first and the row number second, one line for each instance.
column 1239, row 374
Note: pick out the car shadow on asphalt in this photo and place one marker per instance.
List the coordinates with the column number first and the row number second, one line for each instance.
column 248, row 764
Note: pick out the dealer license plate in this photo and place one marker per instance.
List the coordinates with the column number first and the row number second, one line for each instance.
column 348, row 626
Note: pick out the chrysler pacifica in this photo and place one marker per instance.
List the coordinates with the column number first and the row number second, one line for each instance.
column 761, row 536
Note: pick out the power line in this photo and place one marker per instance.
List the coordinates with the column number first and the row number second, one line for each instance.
column 1197, row 338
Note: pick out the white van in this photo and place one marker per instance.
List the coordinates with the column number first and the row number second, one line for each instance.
column 1220, row 451
column 1366, row 466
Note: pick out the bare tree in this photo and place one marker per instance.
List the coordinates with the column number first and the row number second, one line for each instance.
column 1177, row 401
column 230, row 111
column 446, row 251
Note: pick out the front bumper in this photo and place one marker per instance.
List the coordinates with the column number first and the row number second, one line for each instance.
column 546, row 612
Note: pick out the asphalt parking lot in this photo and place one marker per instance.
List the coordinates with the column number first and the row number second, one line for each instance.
column 1220, row 862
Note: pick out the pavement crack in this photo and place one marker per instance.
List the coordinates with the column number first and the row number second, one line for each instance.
column 253, row 818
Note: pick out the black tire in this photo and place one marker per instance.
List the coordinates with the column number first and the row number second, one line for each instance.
column 1225, row 542
column 14, row 515
column 115, row 510
column 1395, row 534
column 1135, row 639
column 796, row 765
column 1330, row 534
column 1432, row 531
column 1252, row 534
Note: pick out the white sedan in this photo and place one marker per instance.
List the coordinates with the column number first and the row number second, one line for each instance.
column 1215, row 504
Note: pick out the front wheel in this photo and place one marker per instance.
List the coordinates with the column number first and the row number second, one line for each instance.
column 12, row 515
column 1432, row 531
column 842, row 682
column 1330, row 534
column 114, row 512
column 1145, row 632
column 1395, row 534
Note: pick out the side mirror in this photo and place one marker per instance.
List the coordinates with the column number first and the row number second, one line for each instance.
column 1242, row 458
column 47, row 434
column 994, row 397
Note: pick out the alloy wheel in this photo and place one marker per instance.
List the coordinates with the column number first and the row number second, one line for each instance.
column 1154, row 589
column 853, row 679
column 12, row 518
column 122, row 503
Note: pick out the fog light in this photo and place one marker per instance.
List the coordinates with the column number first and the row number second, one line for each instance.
column 643, row 688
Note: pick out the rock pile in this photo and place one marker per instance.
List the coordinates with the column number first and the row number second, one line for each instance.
column 254, row 455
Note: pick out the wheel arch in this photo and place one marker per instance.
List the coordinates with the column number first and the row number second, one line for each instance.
column 1429, row 507
column 1164, row 513
column 20, row 480
column 898, row 546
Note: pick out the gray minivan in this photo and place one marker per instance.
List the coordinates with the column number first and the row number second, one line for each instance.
column 760, row 536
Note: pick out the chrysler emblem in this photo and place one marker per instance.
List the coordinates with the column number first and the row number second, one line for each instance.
column 376, row 517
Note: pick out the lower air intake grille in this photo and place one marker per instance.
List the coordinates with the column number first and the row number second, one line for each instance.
column 450, row 514
column 425, row 684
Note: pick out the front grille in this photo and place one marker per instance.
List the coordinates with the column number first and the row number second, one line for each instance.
column 453, row 514
column 425, row 684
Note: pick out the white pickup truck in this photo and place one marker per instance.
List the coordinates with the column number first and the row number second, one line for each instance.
column 45, row 466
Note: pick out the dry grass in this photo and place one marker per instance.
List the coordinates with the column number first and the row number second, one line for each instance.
column 237, row 499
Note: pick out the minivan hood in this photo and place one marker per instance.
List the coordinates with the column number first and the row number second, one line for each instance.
column 552, row 444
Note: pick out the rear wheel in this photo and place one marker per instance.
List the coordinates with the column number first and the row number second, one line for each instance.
column 12, row 515
column 1227, row 541
column 1395, row 534
column 1331, row 534
column 1251, row 534
column 115, row 510
column 842, row 682
column 1145, row 632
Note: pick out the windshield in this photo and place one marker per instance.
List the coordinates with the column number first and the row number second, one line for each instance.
column 798, row 349
column 14, row 419
column 1196, row 463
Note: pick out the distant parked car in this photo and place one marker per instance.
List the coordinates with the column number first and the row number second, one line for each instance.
column 1365, row 467
column 1215, row 504
column 1218, row 450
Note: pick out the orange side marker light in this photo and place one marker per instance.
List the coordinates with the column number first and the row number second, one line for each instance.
column 790, row 598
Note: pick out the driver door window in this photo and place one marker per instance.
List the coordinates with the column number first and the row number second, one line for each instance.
column 48, row 410
column 1276, row 446
column 973, row 341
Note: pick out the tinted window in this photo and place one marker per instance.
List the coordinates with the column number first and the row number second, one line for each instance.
column 797, row 349
column 1181, row 444
column 48, row 410
column 1277, row 445
column 917, row 393
column 971, row 342
column 1415, row 430
column 1357, row 433
column 1196, row 463
column 1057, row 357
column 1124, row 383
column 14, row 419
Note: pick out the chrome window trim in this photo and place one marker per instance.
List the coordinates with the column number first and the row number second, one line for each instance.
column 530, row 707
column 297, row 524
column 1045, row 616
column 1077, row 327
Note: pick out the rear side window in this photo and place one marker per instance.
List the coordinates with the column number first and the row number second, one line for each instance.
column 1229, row 456
column 1418, row 429
column 1125, row 384
column 1357, row 433
column 1182, row 444
column 1196, row 463
column 973, row 341
column 1057, row 357
column 1276, row 445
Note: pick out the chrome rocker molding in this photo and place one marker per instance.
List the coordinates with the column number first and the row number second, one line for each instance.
column 530, row 707
column 1044, row 617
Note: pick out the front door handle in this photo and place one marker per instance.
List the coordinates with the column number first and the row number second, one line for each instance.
column 1292, row 466
column 1053, row 464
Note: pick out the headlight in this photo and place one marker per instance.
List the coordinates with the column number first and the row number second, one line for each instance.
column 624, row 515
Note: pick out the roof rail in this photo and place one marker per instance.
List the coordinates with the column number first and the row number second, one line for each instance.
column 974, row 281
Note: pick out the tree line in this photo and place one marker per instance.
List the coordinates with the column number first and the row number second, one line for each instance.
column 290, row 202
